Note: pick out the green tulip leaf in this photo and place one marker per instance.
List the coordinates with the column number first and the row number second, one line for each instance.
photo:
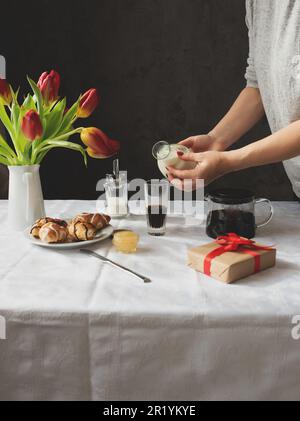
column 53, row 120
column 15, row 95
column 5, row 119
column 4, row 145
column 52, row 144
column 27, row 153
column 4, row 153
column 4, row 160
column 15, row 114
column 29, row 103
column 38, row 96
column 68, row 118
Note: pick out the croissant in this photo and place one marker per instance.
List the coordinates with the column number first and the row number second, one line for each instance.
column 53, row 233
column 82, row 231
column 35, row 230
column 99, row 221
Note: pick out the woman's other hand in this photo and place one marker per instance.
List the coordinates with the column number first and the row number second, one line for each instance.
column 210, row 166
column 203, row 143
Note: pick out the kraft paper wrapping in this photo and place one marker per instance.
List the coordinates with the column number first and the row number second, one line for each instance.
column 231, row 266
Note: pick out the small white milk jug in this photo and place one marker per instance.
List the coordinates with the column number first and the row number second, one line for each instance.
column 166, row 156
column 26, row 204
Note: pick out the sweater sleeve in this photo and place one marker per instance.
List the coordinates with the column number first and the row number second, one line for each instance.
column 251, row 71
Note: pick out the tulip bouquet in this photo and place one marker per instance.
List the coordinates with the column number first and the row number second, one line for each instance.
column 42, row 122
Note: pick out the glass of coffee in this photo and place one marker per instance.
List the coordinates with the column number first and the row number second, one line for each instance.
column 157, row 195
column 234, row 211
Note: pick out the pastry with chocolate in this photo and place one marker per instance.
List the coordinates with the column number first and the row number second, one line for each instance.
column 35, row 230
column 99, row 221
column 82, row 231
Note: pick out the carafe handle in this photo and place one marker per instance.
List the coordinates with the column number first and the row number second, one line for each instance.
column 271, row 215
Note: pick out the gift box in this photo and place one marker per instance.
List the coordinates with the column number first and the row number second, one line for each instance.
column 231, row 258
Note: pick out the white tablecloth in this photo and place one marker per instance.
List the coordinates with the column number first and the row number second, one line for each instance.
column 80, row 330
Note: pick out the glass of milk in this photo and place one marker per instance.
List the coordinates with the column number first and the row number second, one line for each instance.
column 166, row 156
column 117, row 196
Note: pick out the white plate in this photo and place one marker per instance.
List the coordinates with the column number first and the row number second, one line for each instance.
column 101, row 236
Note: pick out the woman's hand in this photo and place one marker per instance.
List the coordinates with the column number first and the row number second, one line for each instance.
column 210, row 166
column 203, row 143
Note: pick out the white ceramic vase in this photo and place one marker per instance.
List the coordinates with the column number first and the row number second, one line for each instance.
column 26, row 204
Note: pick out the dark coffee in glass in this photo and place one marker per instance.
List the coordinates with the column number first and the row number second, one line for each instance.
column 233, row 211
column 157, row 216
column 157, row 195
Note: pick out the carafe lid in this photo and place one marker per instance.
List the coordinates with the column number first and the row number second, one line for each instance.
column 232, row 196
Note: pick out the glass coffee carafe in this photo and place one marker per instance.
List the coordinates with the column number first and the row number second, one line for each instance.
column 234, row 211
column 166, row 155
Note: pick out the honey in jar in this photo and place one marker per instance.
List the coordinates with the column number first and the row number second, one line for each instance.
column 126, row 241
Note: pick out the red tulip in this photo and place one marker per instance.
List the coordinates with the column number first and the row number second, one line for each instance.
column 49, row 84
column 32, row 126
column 99, row 145
column 5, row 92
column 88, row 103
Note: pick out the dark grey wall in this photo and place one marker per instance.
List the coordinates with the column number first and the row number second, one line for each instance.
column 166, row 69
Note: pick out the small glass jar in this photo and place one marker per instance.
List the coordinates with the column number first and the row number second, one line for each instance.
column 126, row 241
column 117, row 196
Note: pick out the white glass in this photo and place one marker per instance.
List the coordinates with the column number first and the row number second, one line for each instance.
column 117, row 196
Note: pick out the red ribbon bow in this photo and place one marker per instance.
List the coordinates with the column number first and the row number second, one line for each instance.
column 234, row 243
